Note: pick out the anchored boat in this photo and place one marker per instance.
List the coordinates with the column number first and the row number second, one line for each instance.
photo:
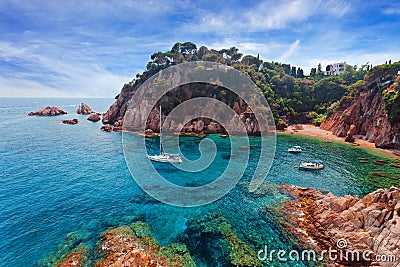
column 313, row 165
column 165, row 157
column 295, row 149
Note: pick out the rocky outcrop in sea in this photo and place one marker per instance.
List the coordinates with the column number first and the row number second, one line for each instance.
column 71, row 122
column 320, row 221
column 84, row 109
column 367, row 116
column 48, row 111
column 94, row 117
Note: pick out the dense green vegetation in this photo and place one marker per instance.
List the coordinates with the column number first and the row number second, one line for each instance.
column 292, row 96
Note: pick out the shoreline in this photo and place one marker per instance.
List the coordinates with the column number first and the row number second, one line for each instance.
column 316, row 132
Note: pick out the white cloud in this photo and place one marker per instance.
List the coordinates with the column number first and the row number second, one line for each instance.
column 55, row 75
column 289, row 52
column 269, row 15
column 392, row 9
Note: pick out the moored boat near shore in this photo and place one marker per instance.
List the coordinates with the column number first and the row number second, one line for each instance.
column 313, row 165
column 295, row 149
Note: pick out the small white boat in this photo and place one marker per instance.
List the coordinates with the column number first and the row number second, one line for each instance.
column 295, row 149
column 164, row 157
column 314, row 165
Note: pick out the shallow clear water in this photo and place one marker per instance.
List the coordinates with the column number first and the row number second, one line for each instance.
column 57, row 179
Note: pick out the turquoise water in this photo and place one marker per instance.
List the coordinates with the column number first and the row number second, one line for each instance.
column 57, row 179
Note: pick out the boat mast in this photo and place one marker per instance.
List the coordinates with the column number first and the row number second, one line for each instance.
column 160, row 133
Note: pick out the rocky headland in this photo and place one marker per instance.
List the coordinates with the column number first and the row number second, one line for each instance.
column 48, row 111
column 369, row 224
column 199, row 126
column 372, row 112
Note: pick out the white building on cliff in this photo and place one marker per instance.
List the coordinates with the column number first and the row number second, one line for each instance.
column 336, row 68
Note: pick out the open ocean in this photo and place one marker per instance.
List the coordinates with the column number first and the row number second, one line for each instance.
column 61, row 180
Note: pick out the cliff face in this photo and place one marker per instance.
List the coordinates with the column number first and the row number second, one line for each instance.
column 115, row 114
column 368, row 115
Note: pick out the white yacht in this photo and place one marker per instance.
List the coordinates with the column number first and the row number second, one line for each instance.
column 313, row 165
column 295, row 149
column 165, row 157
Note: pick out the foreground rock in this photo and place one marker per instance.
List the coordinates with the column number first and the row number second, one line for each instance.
column 75, row 258
column 94, row 117
column 84, row 109
column 72, row 122
column 370, row 225
column 48, row 111
column 130, row 245
column 133, row 245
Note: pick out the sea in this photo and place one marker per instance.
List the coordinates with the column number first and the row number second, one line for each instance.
column 68, row 182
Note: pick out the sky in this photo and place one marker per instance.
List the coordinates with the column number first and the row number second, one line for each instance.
column 90, row 48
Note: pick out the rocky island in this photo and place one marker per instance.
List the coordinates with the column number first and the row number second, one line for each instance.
column 71, row 122
column 48, row 111
column 84, row 109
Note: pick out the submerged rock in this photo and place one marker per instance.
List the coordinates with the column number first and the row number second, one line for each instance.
column 72, row 122
column 84, row 109
column 212, row 237
column 48, row 111
column 370, row 224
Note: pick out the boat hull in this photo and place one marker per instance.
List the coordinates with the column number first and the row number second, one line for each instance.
column 311, row 167
column 159, row 158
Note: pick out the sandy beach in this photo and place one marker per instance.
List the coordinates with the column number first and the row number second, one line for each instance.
column 314, row 131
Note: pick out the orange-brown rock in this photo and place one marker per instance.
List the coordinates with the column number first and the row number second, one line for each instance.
column 73, row 259
column 48, row 111
column 368, row 224
column 123, row 248
column 298, row 127
column 350, row 134
column 134, row 246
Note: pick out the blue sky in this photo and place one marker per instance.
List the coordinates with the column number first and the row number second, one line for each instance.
column 90, row 48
